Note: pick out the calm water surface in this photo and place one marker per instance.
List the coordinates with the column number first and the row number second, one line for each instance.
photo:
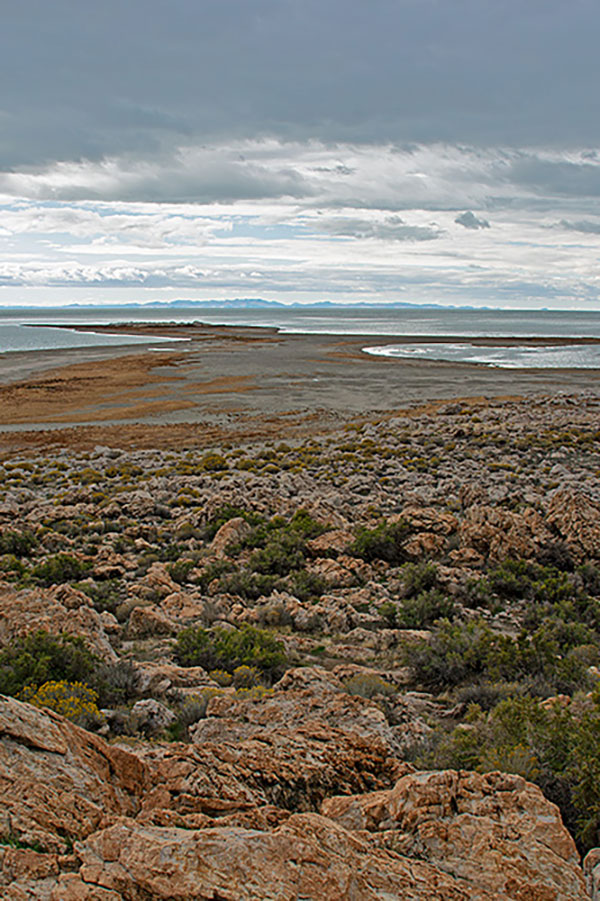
column 32, row 330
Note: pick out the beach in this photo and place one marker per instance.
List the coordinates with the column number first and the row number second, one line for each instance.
column 241, row 382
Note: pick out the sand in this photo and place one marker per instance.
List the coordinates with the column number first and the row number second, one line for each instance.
column 238, row 383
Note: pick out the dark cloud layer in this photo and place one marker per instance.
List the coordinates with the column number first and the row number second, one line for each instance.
column 94, row 79
column 392, row 228
column 470, row 220
column 583, row 225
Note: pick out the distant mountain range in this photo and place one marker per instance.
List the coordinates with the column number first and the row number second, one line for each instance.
column 246, row 303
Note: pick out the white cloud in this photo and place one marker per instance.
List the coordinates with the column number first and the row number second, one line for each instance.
column 314, row 175
column 305, row 221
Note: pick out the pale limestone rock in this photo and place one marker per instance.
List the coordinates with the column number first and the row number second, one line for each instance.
column 151, row 716
column 576, row 518
column 148, row 622
column 232, row 532
column 157, row 583
column 58, row 779
column 22, row 612
column 495, row 832
column 427, row 519
column 591, row 869
column 496, row 534
column 333, row 542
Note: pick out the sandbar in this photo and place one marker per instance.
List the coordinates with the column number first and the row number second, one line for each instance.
column 241, row 382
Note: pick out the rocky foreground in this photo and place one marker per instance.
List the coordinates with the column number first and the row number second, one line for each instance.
column 365, row 666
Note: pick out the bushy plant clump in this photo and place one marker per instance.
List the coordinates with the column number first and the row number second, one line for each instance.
column 277, row 560
column 554, row 745
column 228, row 650
column 59, row 569
column 226, row 512
column 384, row 542
column 115, row 683
column 40, row 657
column 18, row 544
column 422, row 610
column 555, row 657
column 369, row 685
column 74, row 700
column 105, row 595
column 419, row 577
column 180, row 570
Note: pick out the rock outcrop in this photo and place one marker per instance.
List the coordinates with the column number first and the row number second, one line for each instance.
column 52, row 610
column 86, row 821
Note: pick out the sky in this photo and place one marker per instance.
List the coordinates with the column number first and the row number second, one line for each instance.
column 423, row 151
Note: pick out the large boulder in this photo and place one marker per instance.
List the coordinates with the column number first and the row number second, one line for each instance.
column 59, row 782
column 491, row 840
column 494, row 833
column 576, row 519
column 88, row 821
column 54, row 610
column 232, row 532
column 495, row 533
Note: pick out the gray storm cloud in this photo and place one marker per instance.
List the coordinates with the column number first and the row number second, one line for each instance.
column 470, row 220
column 89, row 80
column 391, row 228
column 583, row 225
column 235, row 144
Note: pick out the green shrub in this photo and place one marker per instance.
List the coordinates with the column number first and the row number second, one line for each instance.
column 40, row 657
column 422, row 611
column 227, row 650
column 221, row 677
column 105, row 595
column 418, row 577
column 553, row 658
column 590, row 578
column 306, row 586
column 556, row 554
column 224, row 514
column 247, row 584
column 477, row 593
column 12, row 568
column 180, row 570
column 59, row 569
column 389, row 611
column 213, row 571
column 116, row 683
column 303, row 523
column 283, row 552
column 487, row 694
column 556, row 746
column 384, row 542
column 19, row 544
column 213, row 463
column 513, row 579
column 189, row 711
column 245, row 676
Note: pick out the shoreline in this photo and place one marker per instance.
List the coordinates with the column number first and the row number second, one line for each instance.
column 167, row 330
column 244, row 381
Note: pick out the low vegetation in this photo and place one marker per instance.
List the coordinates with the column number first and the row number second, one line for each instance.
column 508, row 664
column 228, row 650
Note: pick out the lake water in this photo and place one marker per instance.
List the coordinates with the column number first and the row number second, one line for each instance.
column 32, row 330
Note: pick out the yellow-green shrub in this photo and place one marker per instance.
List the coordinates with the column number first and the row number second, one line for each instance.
column 76, row 701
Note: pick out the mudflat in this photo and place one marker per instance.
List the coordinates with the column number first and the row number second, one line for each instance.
column 242, row 381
